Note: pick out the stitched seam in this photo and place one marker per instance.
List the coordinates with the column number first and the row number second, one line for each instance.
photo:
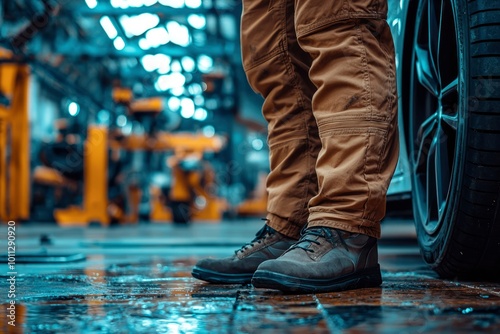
column 367, row 142
column 265, row 58
column 392, row 96
column 366, row 72
column 351, row 117
column 358, row 131
column 286, row 143
column 337, row 18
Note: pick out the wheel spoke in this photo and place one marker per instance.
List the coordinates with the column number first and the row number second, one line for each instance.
column 439, row 42
column 451, row 88
column 451, row 120
column 431, row 180
column 449, row 112
column 426, row 71
column 426, row 134
column 433, row 35
column 442, row 171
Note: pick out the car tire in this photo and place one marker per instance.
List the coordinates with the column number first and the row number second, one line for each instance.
column 454, row 136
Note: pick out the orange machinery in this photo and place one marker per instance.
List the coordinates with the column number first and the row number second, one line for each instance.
column 14, row 139
column 95, row 184
column 96, row 205
column 179, row 205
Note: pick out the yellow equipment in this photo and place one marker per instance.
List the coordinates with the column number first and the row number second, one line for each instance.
column 14, row 139
column 185, row 183
column 95, row 189
column 257, row 205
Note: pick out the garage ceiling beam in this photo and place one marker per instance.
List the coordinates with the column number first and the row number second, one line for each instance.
column 106, row 9
column 134, row 51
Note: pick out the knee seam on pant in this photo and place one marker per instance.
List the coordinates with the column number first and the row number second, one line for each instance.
column 350, row 131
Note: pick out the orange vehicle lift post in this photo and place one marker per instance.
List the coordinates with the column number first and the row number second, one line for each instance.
column 14, row 139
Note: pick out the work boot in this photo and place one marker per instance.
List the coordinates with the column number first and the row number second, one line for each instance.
column 323, row 260
column 239, row 268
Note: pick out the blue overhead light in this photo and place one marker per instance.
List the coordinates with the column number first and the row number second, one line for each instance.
column 197, row 21
column 138, row 24
column 188, row 64
column 177, row 91
column 119, row 43
column 160, row 62
column 91, row 3
column 179, row 34
column 144, row 44
column 73, row 108
column 121, row 120
column 176, row 66
column 157, row 36
column 174, row 103
column 257, row 144
column 108, row 27
column 170, row 81
column 172, row 3
column 200, row 114
column 103, row 117
column 193, row 3
column 187, row 106
column 199, row 100
column 208, row 131
column 205, row 63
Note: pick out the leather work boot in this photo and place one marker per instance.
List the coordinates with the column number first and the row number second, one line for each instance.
column 323, row 260
column 239, row 268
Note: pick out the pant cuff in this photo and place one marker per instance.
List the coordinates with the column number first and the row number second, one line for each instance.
column 284, row 226
column 349, row 224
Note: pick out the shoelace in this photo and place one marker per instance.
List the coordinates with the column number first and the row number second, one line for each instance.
column 317, row 232
column 259, row 236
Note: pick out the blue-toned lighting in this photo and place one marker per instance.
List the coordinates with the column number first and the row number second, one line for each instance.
column 174, row 103
column 187, row 106
column 172, row 3
column 197, row 21
column 193, row 3
column 205, row 63
column 73, row 108
column 121, row 120
column 138, row 24
column 119, row 43
column 188, row 64
column 157, row 36
column 179, row 34
column 108, row 27
column 208, row 131
column 200, row 114
column 91, row 3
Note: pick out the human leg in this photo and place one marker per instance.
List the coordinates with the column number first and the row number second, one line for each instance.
column 277, row 68
column 355, row 108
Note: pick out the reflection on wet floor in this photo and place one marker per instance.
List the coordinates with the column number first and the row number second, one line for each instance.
column 126, row 291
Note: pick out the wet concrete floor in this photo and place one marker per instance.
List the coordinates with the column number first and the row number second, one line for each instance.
column 136, row 279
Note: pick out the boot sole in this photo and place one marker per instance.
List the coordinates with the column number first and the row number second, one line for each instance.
column 220, row 278
column 367, row 278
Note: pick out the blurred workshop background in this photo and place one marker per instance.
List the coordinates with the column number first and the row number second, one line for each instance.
column 126, row 111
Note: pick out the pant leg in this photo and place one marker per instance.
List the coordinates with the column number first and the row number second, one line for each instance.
column 355, row 106
column 277, row 68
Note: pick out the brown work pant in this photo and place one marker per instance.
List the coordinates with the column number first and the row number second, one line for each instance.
column 326, row 70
